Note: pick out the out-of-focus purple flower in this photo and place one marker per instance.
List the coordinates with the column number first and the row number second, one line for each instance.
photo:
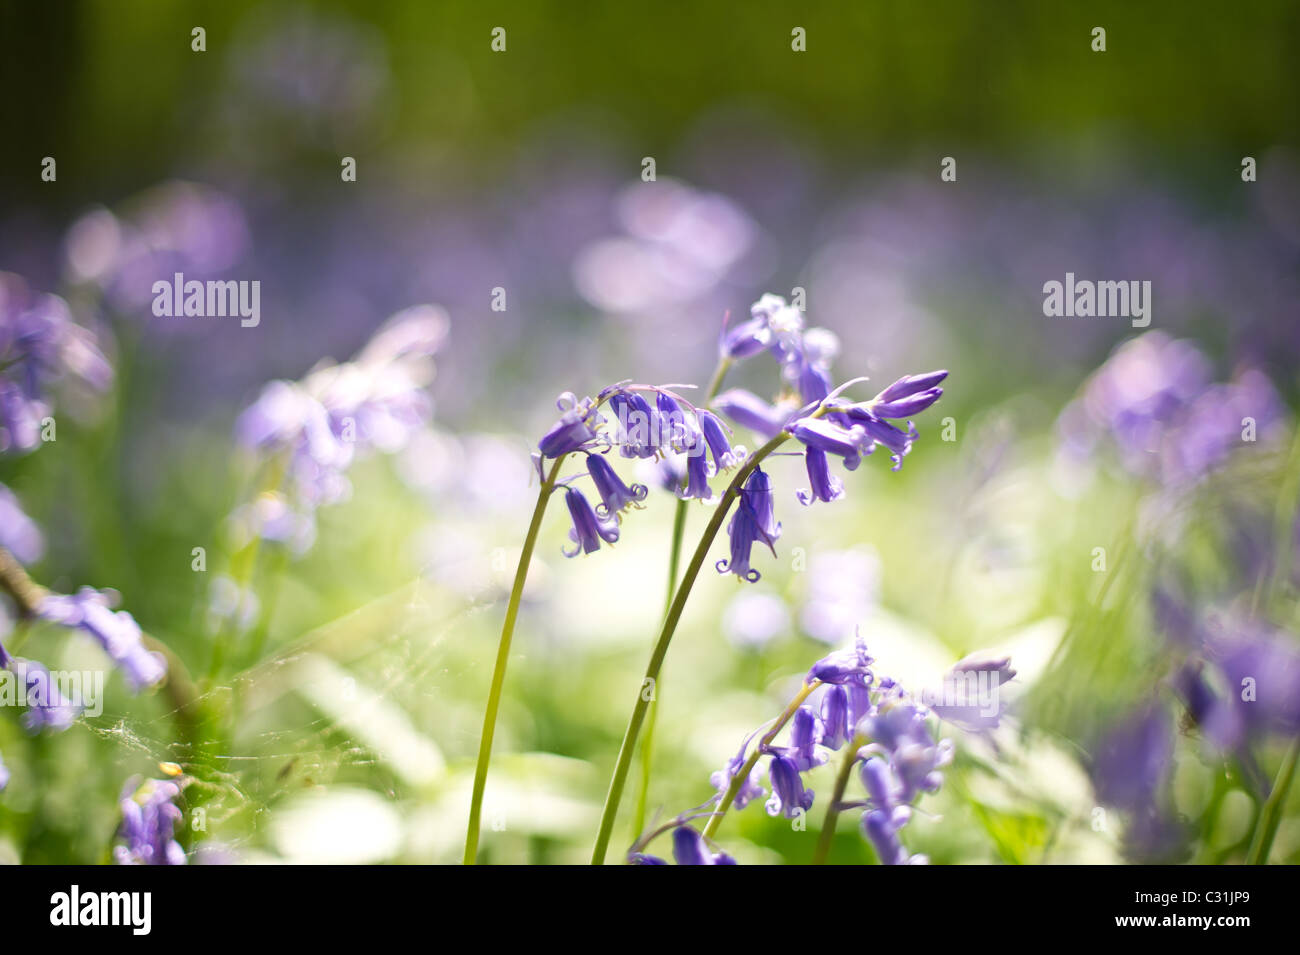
column 116, row 631
column 1154, row 402
column 40, row 346
column 588, row 530
column 843, row 586
column 1133, row 759
column 789, row 798
column 744, row 339
column 4, row 775
column 47, row 708
column 319, row 425
column 753, row 521
column 752, row 412
column 149, row 819
column 969, row 696
column 753, row 620
column 18, row 533
column 615, row 496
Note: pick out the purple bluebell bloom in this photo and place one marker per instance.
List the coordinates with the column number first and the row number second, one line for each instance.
column 830, row 438
column 588, row 530
column 4, row 775
column 752, row 412
column 847, row 667
column 149, row 819
column 18, row 533
column 116, row 631
column 805, row 733
column 689, row 848
column 638, row 425
column 749, row 790
column 576, row 429
column 715, row 434
column 753, row 521
column 836, row 728
column 641, row 858
column 47, row 708
column 698, row 472
column 744, row 339
column 824, row 485
column 910, row 385
column 615, row 496
column 1132, row 761
column 881, row 828
column 789, row 797
column 676, row 432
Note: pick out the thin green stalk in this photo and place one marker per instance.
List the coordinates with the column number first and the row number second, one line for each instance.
column 674, row 563
column 503, row 657
column 647, row 744
column 1271, row 814
column 827, row 834
column 619, row 779
column 738, row 780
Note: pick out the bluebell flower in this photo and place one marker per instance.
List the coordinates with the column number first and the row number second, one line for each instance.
column 749, row 790
column 47, row 708
column 588, row 530
column 576, row 429
column 41, row 346
column 638, row 425
column 641, row 858
column 615, row 496
column 910, row 385
column 836, row 728
column 788, row 794
column 1133, row 759
column 753, row 521
column 847, row 667
column 698, row 472
column 805, row 733
column 149, row 819
column 676, row 432
column 744, row 339
column 830, row 438
column 4, row 775
column 18, row 533
column 824, row 485
column 689, row 848
column 116, row 631
column 750, row 411
column 715, row 435
column 882, row 828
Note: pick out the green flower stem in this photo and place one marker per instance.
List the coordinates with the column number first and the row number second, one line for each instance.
column 503, row 657
column 738, row 780
column 674, row 564
column 827, row 834
column 647, row 744
column 624, row 763
column 1271, row 814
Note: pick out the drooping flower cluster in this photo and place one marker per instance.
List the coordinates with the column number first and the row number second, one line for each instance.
column 648, row 423
column 1154, row 401
column 116, row 632
column 896, row 755
column 312, row 430
column 809, row 409
column 40, row 346
column 149, row 819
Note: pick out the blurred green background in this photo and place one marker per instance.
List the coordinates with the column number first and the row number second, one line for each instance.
column 343, row 724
